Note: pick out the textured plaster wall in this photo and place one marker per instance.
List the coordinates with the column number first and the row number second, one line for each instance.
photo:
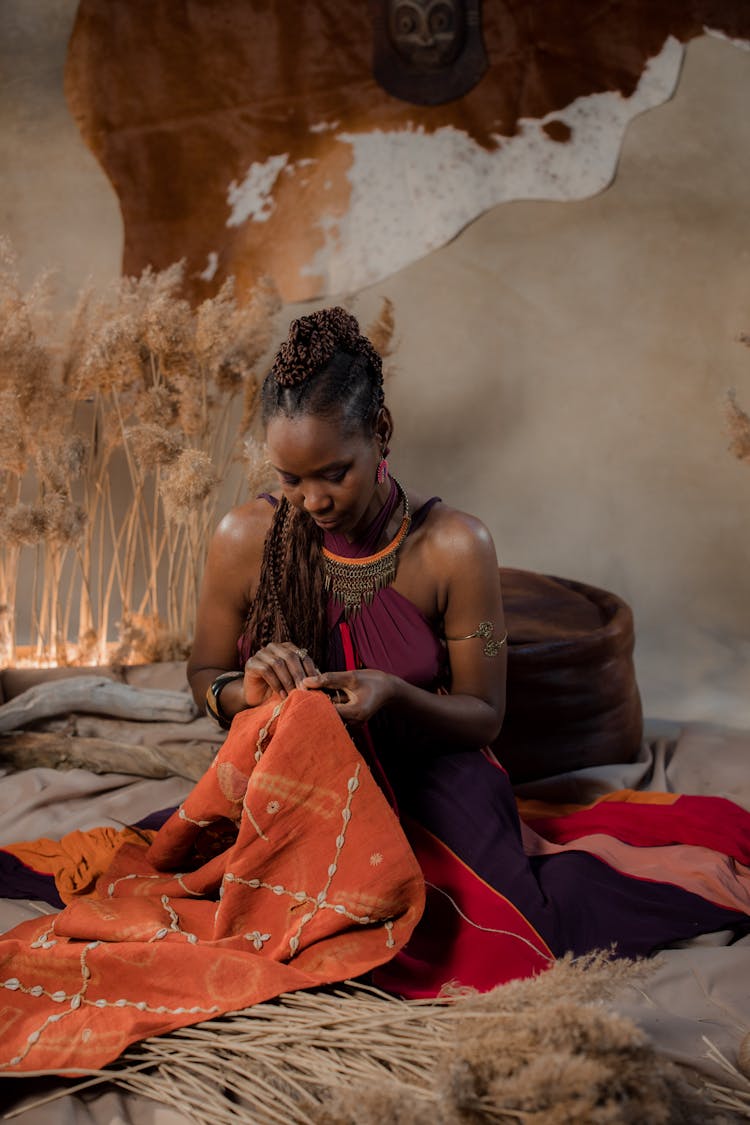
column 55, row 204
column 563, row 371
column 561, row 368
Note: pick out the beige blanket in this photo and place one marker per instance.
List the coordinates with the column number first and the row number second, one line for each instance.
column 697, row 993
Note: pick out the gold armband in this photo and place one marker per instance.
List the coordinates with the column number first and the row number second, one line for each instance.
column 485, row 631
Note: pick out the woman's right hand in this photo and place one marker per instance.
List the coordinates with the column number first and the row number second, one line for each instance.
column 276, row 669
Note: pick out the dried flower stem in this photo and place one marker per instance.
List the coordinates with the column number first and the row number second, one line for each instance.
column 546, row 1050
column 153, row 401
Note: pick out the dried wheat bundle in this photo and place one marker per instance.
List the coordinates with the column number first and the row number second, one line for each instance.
column 545, row 1050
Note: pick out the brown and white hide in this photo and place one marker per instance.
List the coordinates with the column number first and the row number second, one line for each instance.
column 253, row 138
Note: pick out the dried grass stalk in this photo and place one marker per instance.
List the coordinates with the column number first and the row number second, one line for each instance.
column 738, row 428
column 736, row 1097
column 545, row 1050
column 146, row 391
column 258, row 471
column 381, row 331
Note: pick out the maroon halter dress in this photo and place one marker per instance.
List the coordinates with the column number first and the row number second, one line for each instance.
column 495, row 908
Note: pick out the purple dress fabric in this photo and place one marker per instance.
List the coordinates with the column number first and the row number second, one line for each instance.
column 576, row 901
column 389, row 632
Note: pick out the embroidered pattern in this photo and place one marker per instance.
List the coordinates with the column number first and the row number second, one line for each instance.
column 317, row 900
column 264, row 730
column 79, row 998
column 257, row 938
column 208, row 886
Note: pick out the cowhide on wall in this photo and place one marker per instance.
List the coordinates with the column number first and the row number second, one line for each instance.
column 252, row 138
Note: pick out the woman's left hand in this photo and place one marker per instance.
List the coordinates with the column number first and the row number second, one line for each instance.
column 355, row 695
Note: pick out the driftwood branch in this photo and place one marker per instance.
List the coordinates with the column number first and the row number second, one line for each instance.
column 99, row 696
column 28, row 749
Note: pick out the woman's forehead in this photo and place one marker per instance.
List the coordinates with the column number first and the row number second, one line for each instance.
column 310, row 441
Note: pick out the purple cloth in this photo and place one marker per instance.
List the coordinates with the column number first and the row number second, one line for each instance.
column 19, row 881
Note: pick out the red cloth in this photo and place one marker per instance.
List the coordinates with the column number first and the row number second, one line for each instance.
column 470, row 935
column 708, row 822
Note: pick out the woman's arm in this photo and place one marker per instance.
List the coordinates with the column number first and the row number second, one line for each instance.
column 228, row 587
column 459, row 556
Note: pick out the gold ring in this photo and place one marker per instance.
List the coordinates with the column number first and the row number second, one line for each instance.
column 301, row 653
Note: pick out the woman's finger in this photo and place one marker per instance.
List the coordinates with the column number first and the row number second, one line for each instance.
column 272, row 664
column 306, row 664
column 347, row 710
column 282, row 665
column 332, row 683
column 328, row 680
column 257, row 669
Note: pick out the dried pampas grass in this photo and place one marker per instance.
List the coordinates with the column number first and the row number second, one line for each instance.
column 118, row 446
column 258, row 470
column 545, row 1050
column 147, row 639
column 113, row 446
column 187, row 483
column 738, row 428
column 380, row 331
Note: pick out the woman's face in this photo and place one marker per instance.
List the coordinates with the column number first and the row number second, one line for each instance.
column 325, row 471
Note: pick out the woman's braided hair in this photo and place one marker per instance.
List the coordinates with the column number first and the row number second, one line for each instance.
column 326, row 368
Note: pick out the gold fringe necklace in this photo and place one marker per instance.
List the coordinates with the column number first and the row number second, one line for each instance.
column 354, row 581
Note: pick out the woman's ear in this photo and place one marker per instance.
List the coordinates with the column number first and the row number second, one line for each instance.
column 384, row 429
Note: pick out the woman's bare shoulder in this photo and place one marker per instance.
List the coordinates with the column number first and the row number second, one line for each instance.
column 450, row 531
column 242, row 531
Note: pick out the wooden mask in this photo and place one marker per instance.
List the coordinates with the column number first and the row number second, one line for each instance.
column 427, row 51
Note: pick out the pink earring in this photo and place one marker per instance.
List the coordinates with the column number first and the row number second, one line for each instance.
column 382, row 474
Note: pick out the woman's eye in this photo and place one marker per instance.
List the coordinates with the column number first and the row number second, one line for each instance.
column 287, row 480
column 337, row 476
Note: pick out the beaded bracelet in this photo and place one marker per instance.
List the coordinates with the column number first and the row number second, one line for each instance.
column 213, row 692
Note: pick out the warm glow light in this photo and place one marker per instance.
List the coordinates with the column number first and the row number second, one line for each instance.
column 26, row 658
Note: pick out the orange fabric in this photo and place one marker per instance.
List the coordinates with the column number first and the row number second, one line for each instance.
column 285, row 868
column 79, row 858
column 530, row 809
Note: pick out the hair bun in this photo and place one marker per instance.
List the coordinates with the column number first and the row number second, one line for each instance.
column 312, row 342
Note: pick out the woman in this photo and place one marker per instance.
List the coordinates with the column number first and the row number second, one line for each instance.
column 328, row 434
column 347, row 582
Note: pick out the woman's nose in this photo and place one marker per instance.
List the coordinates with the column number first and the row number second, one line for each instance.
column 316, row 500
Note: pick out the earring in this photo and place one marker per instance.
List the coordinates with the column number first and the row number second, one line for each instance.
column 382, row 474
